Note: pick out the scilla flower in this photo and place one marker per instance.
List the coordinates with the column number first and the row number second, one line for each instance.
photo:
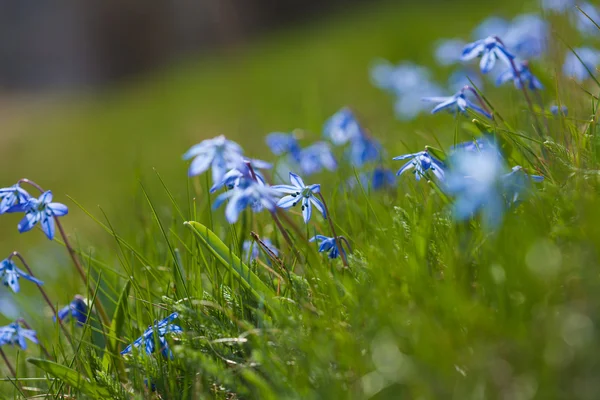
column 249, row 193
column 14, row 334
column 148, row 340
column 525, row 75
column 447, row 51
column 587, row 25
column 12, row 196
column 580, row 68
column 252, row 249
column 456, row 102
column 489, row 49
column 516, row 183
column 76, row 309
column 218, row 153
column 314, row 158
column 282, row 143
column 554, row 110
column 342, row 127
column 327, row 244
column 298, row 192
column 42, row 211
column 420, row 163
column 10, row 275
column 242, row 172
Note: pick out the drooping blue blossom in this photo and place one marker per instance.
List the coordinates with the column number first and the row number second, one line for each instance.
column 252, row 249
column 342, row 127
column 14, row 334
column 298, row 192
column 148, row 340
column 456, row 102
column 576, row 69
column 584, row 24
column 249, row 193
column 327, row 244
column 516, row 183
column 381, row 178
column 525, row 76
column 420, row 163
column 41, row 210
column 282, row 143
column 527, row 36
column 217, row 153
column 314, row 158
column 489, row 49
column 555, row 111
column 409, row 105
column 558, row 6
column 399, row 79
column 12, row 196
column 364, row 149
column 475, row 179
column 10, row 275
column 245, row 170
column 491, row 26
column 76, row 309
column 448, row 51
column 463, row 77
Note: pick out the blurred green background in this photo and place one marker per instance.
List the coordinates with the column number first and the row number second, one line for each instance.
column 97, row 145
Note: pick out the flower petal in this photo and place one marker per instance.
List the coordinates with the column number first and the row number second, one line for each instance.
column 296, row 180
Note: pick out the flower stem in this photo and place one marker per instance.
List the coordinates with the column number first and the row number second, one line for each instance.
column 22, row 321
column 44, row 295
column 73, row 254
column 338, row 243
column 8, row 364
column 479, row 99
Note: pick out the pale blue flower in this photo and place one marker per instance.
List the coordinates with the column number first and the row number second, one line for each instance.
column 298, row 192
column 217, row 153
column 282, row 143
column 420, row 163
column 516, row 183
column 364, row 149
column 252, row 249
column 399, row 79
column 563, row 110
column 10, row 275
column 242, row 173
column 328, row 244
column 41, row 210
column 148, row 340
column 489, row 49
column 456, row 102
column 342, row 127
column 576, row 69
column 584, row 25
column 559, row 6
column 254, row 194
column 448, row 51
column 491, row 26
column 379, row 178
column 76, row 309
column 12, row 196
column 525, row 75
column 527, row 36
column 314, row 158
column 14, row 334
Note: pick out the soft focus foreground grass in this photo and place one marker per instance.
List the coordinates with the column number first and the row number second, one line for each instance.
column 429, row 308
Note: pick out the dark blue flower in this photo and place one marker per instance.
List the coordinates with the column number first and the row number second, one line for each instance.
column 328, row 244
column 421, row 162
column 342, row 127
column 14, row 334
column 41, row 210
column 282, row 143
column 76, row 309
column 254, row 194
column 364, row 149
column 148, row 340
column 525, row 75
column 563, row 110
column 576, row 69
column 12, row 196
column 10, row 275
column 299, row 192
column 218, row 153
column 314, row 158
column 382, row 178
column 454, row 103
column 251, row 249
column 489, row 49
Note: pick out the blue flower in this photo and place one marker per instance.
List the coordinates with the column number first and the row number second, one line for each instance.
column 563, row 110
column 12, row 196
column 448, row 51
column 254, row 194
column 364, row 149
column 315, row 158
column 282, row 143
column 590, row 58
column 525, row 75
column 14, row 334
column 516, row 184
column 218, row 153
column 10, row 275
column 241, row 174
column 41, row 210
column 382, row 178
column 76, row 309
column 342, row 127
column 584, row 25
column 299, row 192
column 475, row 179
column 559, row 6
column 148, row 340
column 251, row 249
column 421, row 162
column 458, row 101
column 408, row 105
column 491, row 26
column 489, row 49
column 328, row 244
column 527, row 36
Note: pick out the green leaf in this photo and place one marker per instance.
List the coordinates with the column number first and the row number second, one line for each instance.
column 116, row 327
column 71, row 378
column 222, row 253
column 437, row 153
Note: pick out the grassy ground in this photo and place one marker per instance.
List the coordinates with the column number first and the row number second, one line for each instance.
column 429, row 308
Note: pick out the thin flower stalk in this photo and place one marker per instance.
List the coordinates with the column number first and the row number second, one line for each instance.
column 333, row 233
